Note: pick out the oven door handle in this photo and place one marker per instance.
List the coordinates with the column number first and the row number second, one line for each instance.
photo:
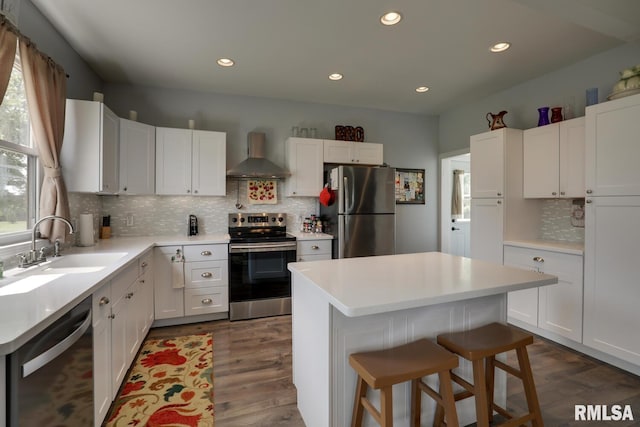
column 261, row 247
column 44, row 358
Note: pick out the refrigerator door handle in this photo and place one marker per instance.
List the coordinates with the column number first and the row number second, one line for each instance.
column 348, row 203
column 341, row 236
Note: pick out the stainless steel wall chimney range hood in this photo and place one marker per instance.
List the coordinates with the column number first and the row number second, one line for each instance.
column 256, row 166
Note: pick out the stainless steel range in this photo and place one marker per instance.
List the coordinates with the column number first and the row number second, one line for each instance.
column 259, row 251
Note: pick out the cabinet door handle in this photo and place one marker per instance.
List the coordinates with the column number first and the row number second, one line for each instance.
column 589, row 191
column 499, row 194
column 562, row 193
column 205, row 253
column 454, row 228
column 588, row 201
column 538, row 259
column 206, row 274
column 129, row 295
column 207, row 301
column 144, row 264
column 553, row 193
column 141, row 281
column 499, row 202
column 111, row 316
column 195, row 191
column 315, row 247
column 104, row 301
column 188, row 191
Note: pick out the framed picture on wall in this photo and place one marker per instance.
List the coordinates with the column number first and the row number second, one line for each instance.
column 410, row 186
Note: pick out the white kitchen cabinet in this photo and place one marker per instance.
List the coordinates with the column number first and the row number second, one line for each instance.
column 555, row 308
column 145, row 280
column 488, row 162
column 304, row 158
column 206, row 279
column 487, row 229
column 498, row 210
column 137, row 158
column 102, row 395
column 313, row 250
column 89, row 156
column 554, row 160
column 168, row 299
column 347, row 152
column 612, row 148
column 611, row 291
column 190, row 162
column 124, row 337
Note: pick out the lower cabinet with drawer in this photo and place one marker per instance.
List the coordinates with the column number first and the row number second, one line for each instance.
column 314, row 250
column 555, row 308
column 199, row 284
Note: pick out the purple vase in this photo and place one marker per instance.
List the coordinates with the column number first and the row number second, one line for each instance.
column 544, row 116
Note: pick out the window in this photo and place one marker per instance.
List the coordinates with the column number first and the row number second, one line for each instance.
column 18, row 162
column 466, row 195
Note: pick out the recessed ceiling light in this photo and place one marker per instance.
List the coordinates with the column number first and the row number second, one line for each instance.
column 390, row 18
column 500, row 47
column 225, row 62
column 422, row 89
column 335, row 76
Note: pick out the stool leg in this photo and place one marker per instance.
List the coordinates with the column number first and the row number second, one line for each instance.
column 448, row 401
column 438, row 418
column 416, row 407
column 386, row 407
column 480, row 392
column 358, row 409
column 490, row 374
column 529, row 387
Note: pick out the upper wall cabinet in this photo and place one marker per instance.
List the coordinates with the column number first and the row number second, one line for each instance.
column 137, row 158
column 89, row 156
column 554, row 160
column 488, row 152
column 304, row 161
column 190, row 162
column 346, row 152
column 613, row 149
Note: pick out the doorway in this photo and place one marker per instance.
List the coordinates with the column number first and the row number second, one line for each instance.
column 455, row 171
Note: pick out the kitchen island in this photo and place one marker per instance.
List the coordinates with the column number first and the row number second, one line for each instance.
column 346, row 305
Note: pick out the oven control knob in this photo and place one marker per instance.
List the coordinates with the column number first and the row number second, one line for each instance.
column 273, row 219
column 280, row 219
column 234, row 220
column 241, row 219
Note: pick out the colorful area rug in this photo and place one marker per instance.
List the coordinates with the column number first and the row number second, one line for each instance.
column 170, row 384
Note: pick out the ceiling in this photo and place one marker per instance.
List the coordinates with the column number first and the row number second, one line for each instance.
column 286, row 49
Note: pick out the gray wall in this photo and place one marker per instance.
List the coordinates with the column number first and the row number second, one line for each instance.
column 561, row 87
column 82, row 80
column 410, row 141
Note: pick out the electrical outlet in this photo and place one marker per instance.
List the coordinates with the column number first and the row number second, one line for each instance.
column 129, row 220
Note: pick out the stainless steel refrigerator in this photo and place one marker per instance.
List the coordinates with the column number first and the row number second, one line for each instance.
column 362, row 217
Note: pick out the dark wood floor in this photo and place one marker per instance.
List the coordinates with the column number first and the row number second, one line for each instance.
column 252, row 370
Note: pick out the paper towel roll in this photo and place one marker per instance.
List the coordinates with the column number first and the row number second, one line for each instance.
column 86, row 229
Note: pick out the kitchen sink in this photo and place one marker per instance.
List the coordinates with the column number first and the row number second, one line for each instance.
column 82, row 263
column 19, row 281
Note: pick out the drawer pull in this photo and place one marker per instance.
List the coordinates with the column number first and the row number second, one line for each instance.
column 144, row 264
column 315, row 247
column 538, row 259
column 206, row 275
column 205, row 253
column 207, row 301
column 104, row 301
column 129, row 295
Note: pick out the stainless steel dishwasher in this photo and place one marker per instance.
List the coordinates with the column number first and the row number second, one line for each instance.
column 51, row 376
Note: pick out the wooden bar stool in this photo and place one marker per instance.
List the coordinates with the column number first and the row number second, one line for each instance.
column 482, row 345
column 383, row 368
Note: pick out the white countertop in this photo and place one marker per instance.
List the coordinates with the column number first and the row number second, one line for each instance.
column 24, row 315
column 300, row 235
column 571, row 248
column 370, row 285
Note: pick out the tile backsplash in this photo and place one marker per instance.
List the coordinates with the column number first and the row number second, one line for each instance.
column 168, row 215
column 556, row 222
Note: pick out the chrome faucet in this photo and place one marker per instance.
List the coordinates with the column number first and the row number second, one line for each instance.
column 31, row 257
